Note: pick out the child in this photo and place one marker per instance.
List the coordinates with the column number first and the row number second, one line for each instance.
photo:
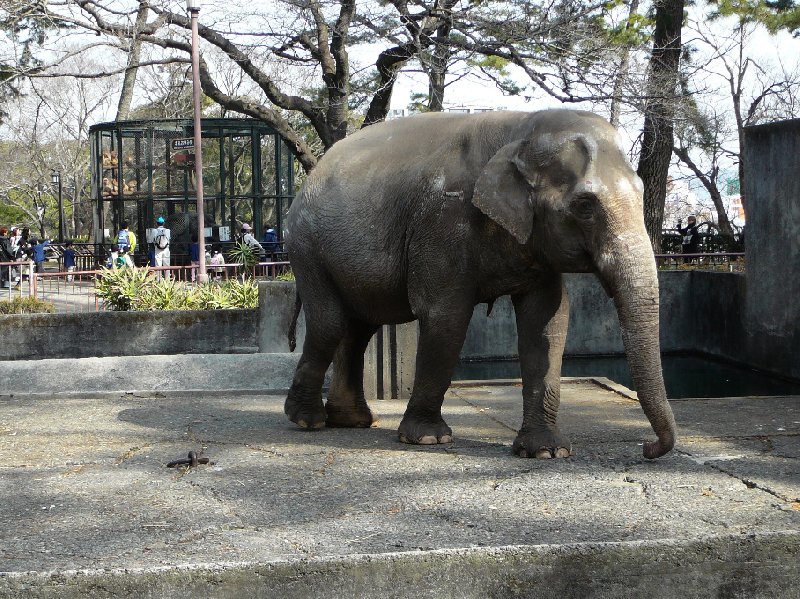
column 69, row 260
column 39, row 253
column 124, row 259
column 217, row 260
column 113, row 257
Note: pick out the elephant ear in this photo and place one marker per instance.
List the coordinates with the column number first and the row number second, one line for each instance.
column 502, row 193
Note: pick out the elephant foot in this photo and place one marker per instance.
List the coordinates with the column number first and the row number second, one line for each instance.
column 358, row 416
column 419, row 431
column 306, row 415
column 542, row 445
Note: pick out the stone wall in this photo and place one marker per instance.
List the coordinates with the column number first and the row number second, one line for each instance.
column 772, row 201
column 593, row 324
column 100, row 334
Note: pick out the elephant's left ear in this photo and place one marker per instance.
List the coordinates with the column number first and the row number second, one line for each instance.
column 502, row 194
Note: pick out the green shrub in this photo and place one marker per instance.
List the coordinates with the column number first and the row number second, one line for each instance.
column 139, row 290
column 285, row 276
column 243, row 294
column 121, row 288
column 244, row 255
column 26, row 305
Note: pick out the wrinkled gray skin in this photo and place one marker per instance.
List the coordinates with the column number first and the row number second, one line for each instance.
column 424, row 217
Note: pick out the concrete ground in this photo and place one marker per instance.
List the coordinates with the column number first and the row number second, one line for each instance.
column 89, row 508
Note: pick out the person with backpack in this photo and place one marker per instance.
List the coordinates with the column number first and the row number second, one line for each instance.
column 161, row 239
column 126, row 240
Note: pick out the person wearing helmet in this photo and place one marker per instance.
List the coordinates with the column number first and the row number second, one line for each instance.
column 161, row 239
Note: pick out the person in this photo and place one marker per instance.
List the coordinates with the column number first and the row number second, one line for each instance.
column 690, row 241
column 23, row 256
column 161, row 240
column 126, row 240
column 249, row 239
column 194, row 256
column 6, row 255
column 16, row 239
column 69, row 260
column 113, row 257
column 39, row 253
column 123, row 259
column 216, row 261
column 270, row 240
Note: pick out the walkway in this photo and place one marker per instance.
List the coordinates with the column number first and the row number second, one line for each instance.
column 91, row 510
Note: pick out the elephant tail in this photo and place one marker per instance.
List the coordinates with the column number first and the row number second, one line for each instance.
column 298, row 303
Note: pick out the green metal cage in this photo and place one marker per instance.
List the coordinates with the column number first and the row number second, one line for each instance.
column 145, row 169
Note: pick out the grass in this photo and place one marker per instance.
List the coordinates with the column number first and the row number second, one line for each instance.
column 26, row 305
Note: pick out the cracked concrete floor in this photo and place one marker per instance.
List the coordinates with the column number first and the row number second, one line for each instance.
column 83, row 482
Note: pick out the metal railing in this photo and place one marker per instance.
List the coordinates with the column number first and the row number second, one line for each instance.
column 75, row 291
column 728, row 261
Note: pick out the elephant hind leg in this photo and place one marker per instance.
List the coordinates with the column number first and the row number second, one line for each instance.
column 325, row 328
column 346, row 405
column 441, row 335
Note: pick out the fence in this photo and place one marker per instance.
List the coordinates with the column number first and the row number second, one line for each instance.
column 728, row 261
column 75, row 291
column 88, row 256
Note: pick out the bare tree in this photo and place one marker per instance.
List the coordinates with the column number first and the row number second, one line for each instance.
column 560, row 45
column 48, row 128
column 708, row 141
column 129, row 82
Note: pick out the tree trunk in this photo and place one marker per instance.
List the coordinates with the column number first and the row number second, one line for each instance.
column 657, row 134
column 437, row 71
column 129, row 82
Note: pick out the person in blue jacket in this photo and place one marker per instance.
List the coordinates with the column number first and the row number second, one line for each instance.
column 38, row 253
column 270, row 240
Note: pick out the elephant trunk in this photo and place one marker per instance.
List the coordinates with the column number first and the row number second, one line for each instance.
column 630, row 272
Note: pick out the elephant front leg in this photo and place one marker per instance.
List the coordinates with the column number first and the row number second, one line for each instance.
column 542, row 316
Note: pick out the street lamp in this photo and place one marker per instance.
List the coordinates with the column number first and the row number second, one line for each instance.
column 55, row 177
column 193, row 6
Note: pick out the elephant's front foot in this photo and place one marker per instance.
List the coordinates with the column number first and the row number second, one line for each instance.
column 418, row 430
column 542, row 444
column 349, row 416
column 307, row 414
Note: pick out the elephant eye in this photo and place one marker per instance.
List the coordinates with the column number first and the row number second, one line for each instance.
column 582, row 206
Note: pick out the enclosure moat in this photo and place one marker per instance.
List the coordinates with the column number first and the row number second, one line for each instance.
column 685, row 375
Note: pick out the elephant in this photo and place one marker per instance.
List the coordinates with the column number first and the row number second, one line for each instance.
column 424, row 217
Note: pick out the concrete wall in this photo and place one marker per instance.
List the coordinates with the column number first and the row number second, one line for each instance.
column 99, row 334
column 593, row 323
column 772, row 201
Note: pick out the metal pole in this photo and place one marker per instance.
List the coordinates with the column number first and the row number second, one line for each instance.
column 202, row 276
column 60, row 214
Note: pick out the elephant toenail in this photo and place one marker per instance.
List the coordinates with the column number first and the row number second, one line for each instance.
column 543, row 454
column 428, row 440
column 562, row 452
column 446, row 439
